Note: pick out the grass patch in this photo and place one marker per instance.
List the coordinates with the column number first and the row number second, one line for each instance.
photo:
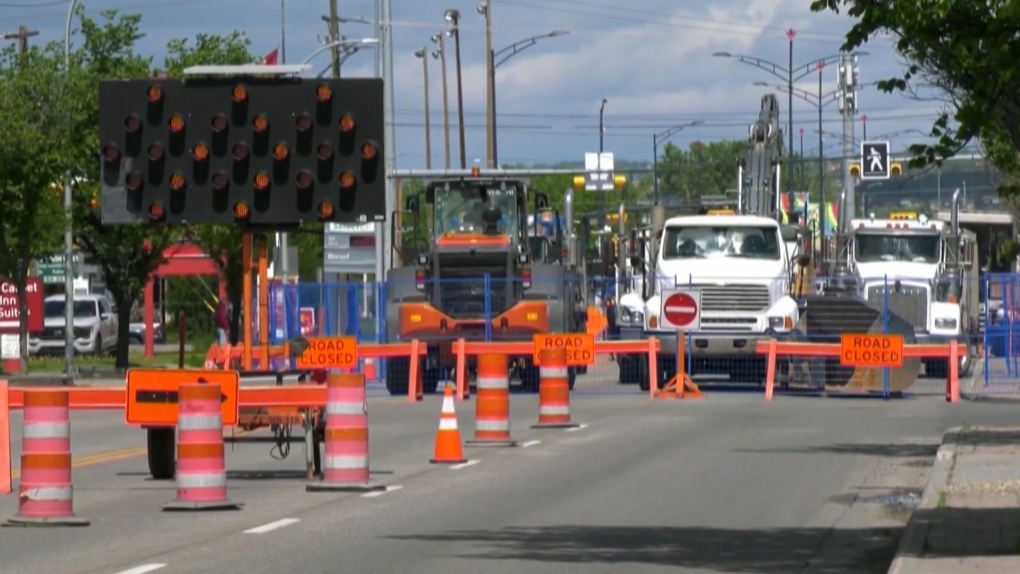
column 942, row 499
column 42, row 365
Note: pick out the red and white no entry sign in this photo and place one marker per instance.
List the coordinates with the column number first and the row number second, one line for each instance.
column 681, row 309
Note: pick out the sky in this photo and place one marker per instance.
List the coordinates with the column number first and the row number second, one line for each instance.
column 652, row 61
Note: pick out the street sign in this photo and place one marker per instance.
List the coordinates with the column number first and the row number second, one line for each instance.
column 599, row 167
column 681, row 309
column 152, row 394
column 871, row 350
column 329, row 353
column 348, row 248
column 874, row 160
column 10, row 311
column 51, row 269
column 580, row 347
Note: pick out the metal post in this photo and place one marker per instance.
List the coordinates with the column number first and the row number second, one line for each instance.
column 68, row 228
column 486, row 9
column 283, row 31
column 390, row 141
column 789, row 119
column 441, row 40
column 424, row 55
column 495, row 136
column 602, row 194
column 822, row 209
column 655, row 168
column 848, row 107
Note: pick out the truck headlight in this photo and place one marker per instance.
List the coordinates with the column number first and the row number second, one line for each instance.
column 780, row 323
column 630, row 316
column 945, row 323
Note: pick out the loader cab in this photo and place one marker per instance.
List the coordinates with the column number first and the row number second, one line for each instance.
column 477, row 211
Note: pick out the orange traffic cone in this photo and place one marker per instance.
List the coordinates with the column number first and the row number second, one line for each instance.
column 449, row 448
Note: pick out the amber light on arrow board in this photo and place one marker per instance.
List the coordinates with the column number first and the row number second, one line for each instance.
column 241, row 211
column 156, row 211
column 261, row 181
column 325, row 210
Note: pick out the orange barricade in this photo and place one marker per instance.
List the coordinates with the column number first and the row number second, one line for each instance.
column 5, row 439
column 345, row 467
column 492, row 405
column 201, row 465
column 45, row 491
column 553, row 391
column 773, row 349
column 462, row 349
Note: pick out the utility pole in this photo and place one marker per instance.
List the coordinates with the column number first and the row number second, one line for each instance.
column 334, row 36
column 486, row 11
column 848, row 108
column 22, row 36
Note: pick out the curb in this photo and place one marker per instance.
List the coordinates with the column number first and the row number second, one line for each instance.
column 989, row 398
column 911, row 547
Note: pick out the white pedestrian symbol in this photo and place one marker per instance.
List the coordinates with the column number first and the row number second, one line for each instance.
column 876, row 161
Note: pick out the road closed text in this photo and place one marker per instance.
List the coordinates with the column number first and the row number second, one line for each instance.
column 580, row 347
column 871, row 351
column 329, row 353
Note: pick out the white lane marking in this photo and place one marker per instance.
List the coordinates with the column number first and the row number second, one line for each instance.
column 577, row 428
column 283, row 522
column 376, row 493
column 464, row 464
column 530, row 443
column 142, row 569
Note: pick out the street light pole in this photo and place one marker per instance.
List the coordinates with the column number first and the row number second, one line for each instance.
column 510, row 51
column 68, row 226
column 790, row 35
column 790, row 75
column 485, row 9
column 453, row 17
column 424, row 55
column 441, row 54
column 602, row 133
column 655, row 153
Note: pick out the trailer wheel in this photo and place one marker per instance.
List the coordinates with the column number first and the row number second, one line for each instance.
column 162, row 450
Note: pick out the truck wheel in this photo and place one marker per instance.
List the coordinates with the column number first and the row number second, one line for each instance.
column 572, row 376
column 162, row 447
column 530, row 377
column 629, row 368
column 430, row 380
column 665, row 372
column 397, row 372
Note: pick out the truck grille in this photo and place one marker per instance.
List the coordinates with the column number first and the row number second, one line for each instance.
column 464, row 297
column 52, row 333
column 720, row 298
column 910, row 303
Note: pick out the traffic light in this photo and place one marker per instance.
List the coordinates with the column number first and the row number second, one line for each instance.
column 855, row 170
column 253, row 150
column 895, row 169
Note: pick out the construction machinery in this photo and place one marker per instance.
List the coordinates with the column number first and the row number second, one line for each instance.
column 905, row 275
column 741, row 259
column 476, row 276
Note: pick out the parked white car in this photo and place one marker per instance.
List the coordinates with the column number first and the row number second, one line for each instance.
column 95, row 326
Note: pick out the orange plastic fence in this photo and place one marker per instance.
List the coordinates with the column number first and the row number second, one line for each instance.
column 773, row 349
column 463, row 348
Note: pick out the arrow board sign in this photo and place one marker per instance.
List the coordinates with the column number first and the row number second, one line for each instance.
column 153, row 394
column 681, row 309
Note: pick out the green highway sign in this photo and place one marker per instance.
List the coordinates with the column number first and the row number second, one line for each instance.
column 51, row 269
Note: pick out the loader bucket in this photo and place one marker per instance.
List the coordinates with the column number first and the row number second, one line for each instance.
column 824, row 319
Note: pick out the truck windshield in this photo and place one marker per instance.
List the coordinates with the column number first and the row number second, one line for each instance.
column 716, row 242
column 913, row 247
column 81, row 309
column 459, row 210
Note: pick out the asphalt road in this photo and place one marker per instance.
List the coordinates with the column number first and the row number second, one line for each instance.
column 728, row 484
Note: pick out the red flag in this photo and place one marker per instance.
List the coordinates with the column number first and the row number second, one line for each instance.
column 271, row 58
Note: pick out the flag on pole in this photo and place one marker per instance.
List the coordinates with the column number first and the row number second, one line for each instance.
column 271, row 58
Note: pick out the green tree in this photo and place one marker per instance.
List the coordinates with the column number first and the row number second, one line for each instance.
column 31, row 148
column 127, row 254
column 967, row 52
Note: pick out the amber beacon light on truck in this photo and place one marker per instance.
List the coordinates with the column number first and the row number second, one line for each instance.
column 250, row 150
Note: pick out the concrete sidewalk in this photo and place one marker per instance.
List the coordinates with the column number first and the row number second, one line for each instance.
column 969, row 516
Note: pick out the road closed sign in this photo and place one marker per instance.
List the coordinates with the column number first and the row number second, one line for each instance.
column 867, row 350
column 580, row 347
column 329, row 353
